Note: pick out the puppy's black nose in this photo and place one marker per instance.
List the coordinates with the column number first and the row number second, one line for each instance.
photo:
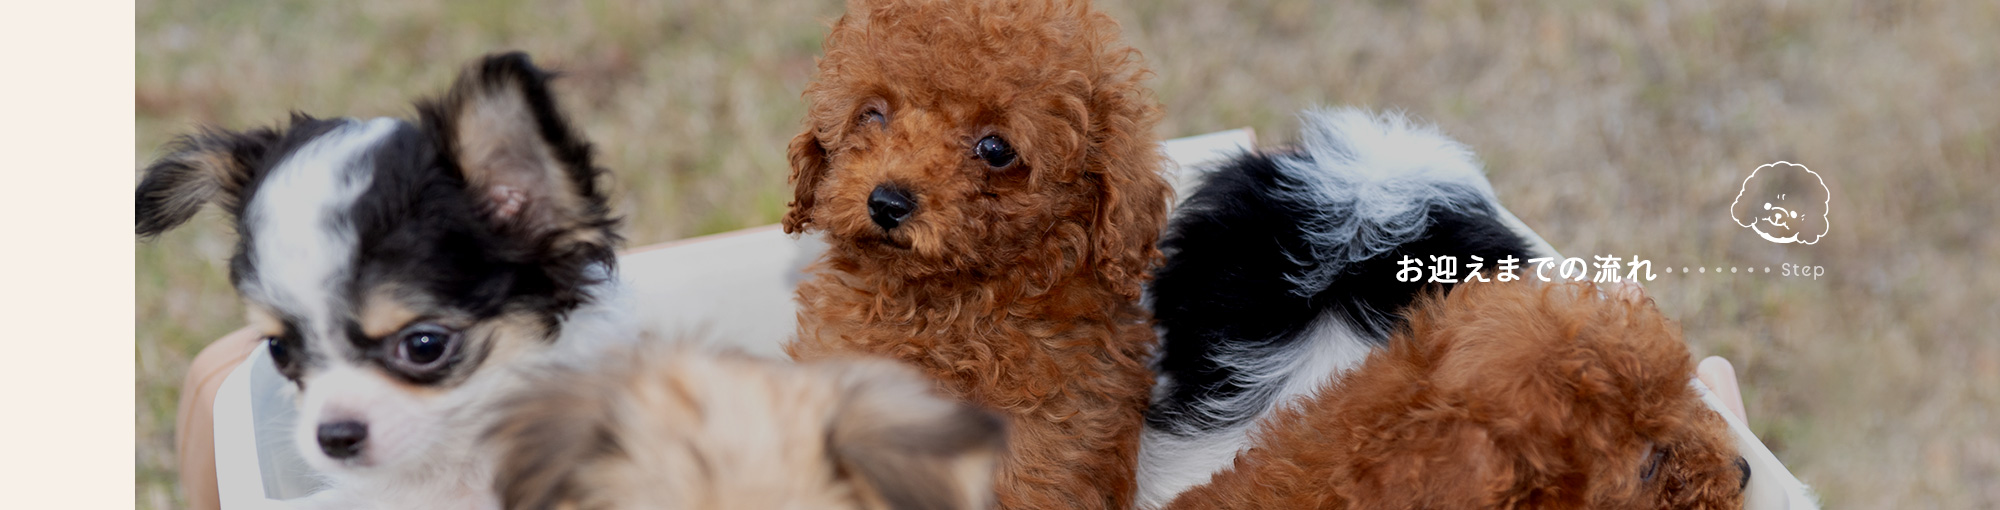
column 1745, row 466
column 889, row 206
column 343, row 439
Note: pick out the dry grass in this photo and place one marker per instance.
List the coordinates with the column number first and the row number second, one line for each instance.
column 1618, row 127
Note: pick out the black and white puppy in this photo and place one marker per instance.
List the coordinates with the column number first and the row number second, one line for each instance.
column 399, row 269
column 1280, row 273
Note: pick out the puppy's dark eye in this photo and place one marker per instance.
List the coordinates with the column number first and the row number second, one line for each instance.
column 279, row 354
column 1650, row 464
column 424, row 347
column 994, row 151
column 873, row 117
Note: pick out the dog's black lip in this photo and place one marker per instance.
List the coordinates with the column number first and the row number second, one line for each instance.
column 892, row 243
column 879, row 237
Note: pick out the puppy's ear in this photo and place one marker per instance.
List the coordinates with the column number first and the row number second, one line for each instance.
column 543, row 437
column 907, row 448
column 1133, row 196
column 1132, row 209
column 212, row 165
column 808, row 168
column 519, row 155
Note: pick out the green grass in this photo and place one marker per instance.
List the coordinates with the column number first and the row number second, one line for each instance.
column 1611, row 127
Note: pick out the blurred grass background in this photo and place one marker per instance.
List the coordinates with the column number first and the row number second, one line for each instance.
column 1616, row 127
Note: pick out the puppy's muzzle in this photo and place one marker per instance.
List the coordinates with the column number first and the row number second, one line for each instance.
column 890, row 207
column 343, row 439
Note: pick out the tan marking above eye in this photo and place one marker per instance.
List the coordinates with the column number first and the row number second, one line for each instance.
column 382, row 314
column 263, row 321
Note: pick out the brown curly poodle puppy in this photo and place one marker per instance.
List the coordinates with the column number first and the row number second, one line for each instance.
column 988, row 178
column 1501, row 395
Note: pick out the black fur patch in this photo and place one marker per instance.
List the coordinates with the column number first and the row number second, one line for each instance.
column 1223, row 286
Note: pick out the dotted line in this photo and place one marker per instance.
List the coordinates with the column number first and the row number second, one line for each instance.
column 1704, row 270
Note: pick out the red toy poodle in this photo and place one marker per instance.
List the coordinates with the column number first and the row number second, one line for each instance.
column 1501, row 395
column 988, row 178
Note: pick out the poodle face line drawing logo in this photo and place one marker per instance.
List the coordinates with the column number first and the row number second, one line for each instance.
column 1784, row 202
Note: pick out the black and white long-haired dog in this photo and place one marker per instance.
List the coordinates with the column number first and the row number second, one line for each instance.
column 1279, row 275
column 399, row 270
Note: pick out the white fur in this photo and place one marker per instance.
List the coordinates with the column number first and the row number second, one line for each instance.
column 300, row 250
column 608, row 320
column 1371, row 181
column 1172, row 462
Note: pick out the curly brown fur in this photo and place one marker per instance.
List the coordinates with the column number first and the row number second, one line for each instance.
column 668, row 427
column 1015, row 285
column 1500, row 396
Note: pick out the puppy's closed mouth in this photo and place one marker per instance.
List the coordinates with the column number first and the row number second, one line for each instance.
column 876, row 238
column 892, row 242
column 358, row 462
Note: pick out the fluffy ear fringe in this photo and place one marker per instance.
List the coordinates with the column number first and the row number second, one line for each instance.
column 1127, row 229
column 808, row 168
column 211, row 165
column 519, row 155
column 1134, row 195
column 532, row 173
